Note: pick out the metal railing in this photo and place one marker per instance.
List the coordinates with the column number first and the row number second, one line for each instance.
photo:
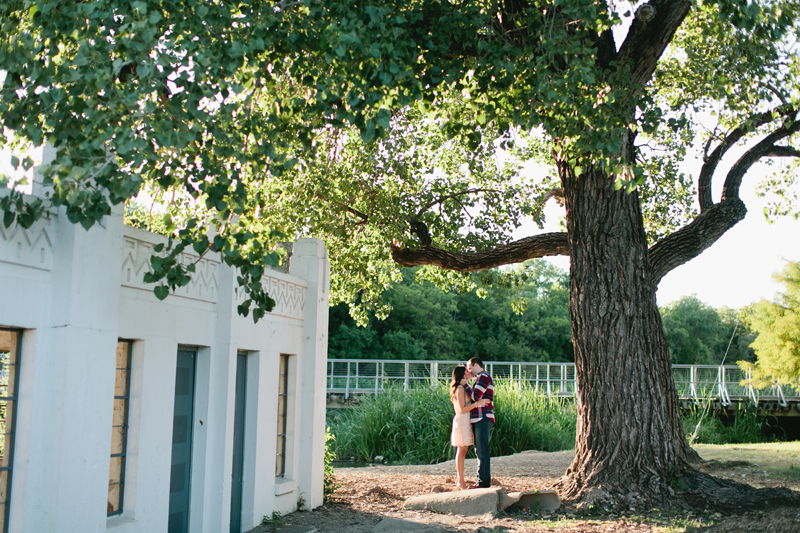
column 694, row 382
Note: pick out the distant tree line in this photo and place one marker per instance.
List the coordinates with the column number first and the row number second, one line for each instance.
column 428, row 323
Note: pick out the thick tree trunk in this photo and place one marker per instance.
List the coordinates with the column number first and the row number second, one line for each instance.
column 630, row 442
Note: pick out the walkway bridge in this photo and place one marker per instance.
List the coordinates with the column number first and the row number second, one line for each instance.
column 696, row 384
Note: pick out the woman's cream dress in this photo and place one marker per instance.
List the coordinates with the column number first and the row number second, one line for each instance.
column 462, row 429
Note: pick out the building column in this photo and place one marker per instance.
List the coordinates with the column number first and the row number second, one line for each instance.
column 309, row 261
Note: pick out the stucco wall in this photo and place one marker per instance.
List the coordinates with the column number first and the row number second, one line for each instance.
column 75, row 293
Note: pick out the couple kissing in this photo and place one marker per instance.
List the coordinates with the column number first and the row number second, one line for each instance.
column 473, row 420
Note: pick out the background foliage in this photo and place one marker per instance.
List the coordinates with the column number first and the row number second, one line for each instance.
column 778, row 326
column 427, row 323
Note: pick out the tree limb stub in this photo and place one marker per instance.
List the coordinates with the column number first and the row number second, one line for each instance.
column 514, row 252
column 650, row 33
column 693, row 239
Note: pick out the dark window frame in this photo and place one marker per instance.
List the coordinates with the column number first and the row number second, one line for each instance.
column 8, row 447
column 125, row 426
column 283, row 379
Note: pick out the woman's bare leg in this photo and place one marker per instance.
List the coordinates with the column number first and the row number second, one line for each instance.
column 461, row 454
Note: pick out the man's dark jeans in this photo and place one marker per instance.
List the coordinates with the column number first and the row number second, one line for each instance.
column 482, row 430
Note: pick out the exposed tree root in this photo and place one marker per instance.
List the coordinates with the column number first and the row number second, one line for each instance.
column 694, row 490
column 704, row 491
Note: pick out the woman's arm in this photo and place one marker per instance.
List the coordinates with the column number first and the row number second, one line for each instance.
column 463, row 407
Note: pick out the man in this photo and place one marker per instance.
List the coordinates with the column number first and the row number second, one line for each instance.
column 482, row 419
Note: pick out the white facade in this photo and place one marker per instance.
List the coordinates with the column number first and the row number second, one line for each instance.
column 74, row 294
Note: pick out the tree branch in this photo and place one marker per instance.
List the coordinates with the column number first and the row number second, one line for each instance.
column 441, row 199
column 783, row 151
column 694, row 238
column 710, row 162
column 650, row 33
column 514, row 252
column 763, row 149
column 553, row 193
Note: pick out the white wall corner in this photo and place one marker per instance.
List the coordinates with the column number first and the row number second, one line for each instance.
column 310, row 262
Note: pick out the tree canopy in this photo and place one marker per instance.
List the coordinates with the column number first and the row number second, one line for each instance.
column 256, row 111
column 777, row 323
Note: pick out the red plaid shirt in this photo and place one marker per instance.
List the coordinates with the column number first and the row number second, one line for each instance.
column 482, row 388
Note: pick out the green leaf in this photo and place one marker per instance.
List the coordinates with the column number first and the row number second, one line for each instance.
column 161, row 292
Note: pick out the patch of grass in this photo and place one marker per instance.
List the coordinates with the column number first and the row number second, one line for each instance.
column 597, row 521
column 775, row 460
column 413, row 427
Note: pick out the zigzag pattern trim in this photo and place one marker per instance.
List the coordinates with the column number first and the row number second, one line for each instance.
column 31, row 247
column 136, row 263
column 290, row 298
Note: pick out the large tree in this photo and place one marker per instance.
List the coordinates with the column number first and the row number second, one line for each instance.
column 249, row 109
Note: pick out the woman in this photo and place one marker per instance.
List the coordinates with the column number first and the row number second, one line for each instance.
column 461, row 436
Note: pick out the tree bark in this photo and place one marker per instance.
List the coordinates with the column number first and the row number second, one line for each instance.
column 630, row 439
column 514, row 252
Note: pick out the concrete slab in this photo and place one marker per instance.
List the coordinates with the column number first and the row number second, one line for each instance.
column 475, row 502
column 395, row 525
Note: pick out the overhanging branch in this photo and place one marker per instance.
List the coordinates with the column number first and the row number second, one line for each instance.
column 515, row 252
column 694, row 238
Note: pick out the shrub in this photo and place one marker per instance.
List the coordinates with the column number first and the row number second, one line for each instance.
column 744, row 426
column 329, row 480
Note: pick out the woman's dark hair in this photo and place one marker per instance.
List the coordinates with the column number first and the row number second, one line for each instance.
column 458, row 375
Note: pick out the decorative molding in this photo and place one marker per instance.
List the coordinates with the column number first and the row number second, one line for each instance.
column 31, row 247
column 290, row 298
column 136, row 262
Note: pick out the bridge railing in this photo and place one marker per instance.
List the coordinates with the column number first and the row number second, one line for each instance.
column 694, row 382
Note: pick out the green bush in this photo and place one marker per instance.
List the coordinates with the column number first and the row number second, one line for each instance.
column 413, row 427
column 745, row 426
column 329, row 479
column 527, row 420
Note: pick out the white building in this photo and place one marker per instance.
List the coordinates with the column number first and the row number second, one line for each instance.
column 129, row 414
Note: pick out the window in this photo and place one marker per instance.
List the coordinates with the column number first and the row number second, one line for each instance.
column 9, row 383
column 283, row 396
column 119, row 428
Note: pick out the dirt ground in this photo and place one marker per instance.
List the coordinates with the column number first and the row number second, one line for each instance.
column 368, row 495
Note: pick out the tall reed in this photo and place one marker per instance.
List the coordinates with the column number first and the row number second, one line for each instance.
column 414, row 426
